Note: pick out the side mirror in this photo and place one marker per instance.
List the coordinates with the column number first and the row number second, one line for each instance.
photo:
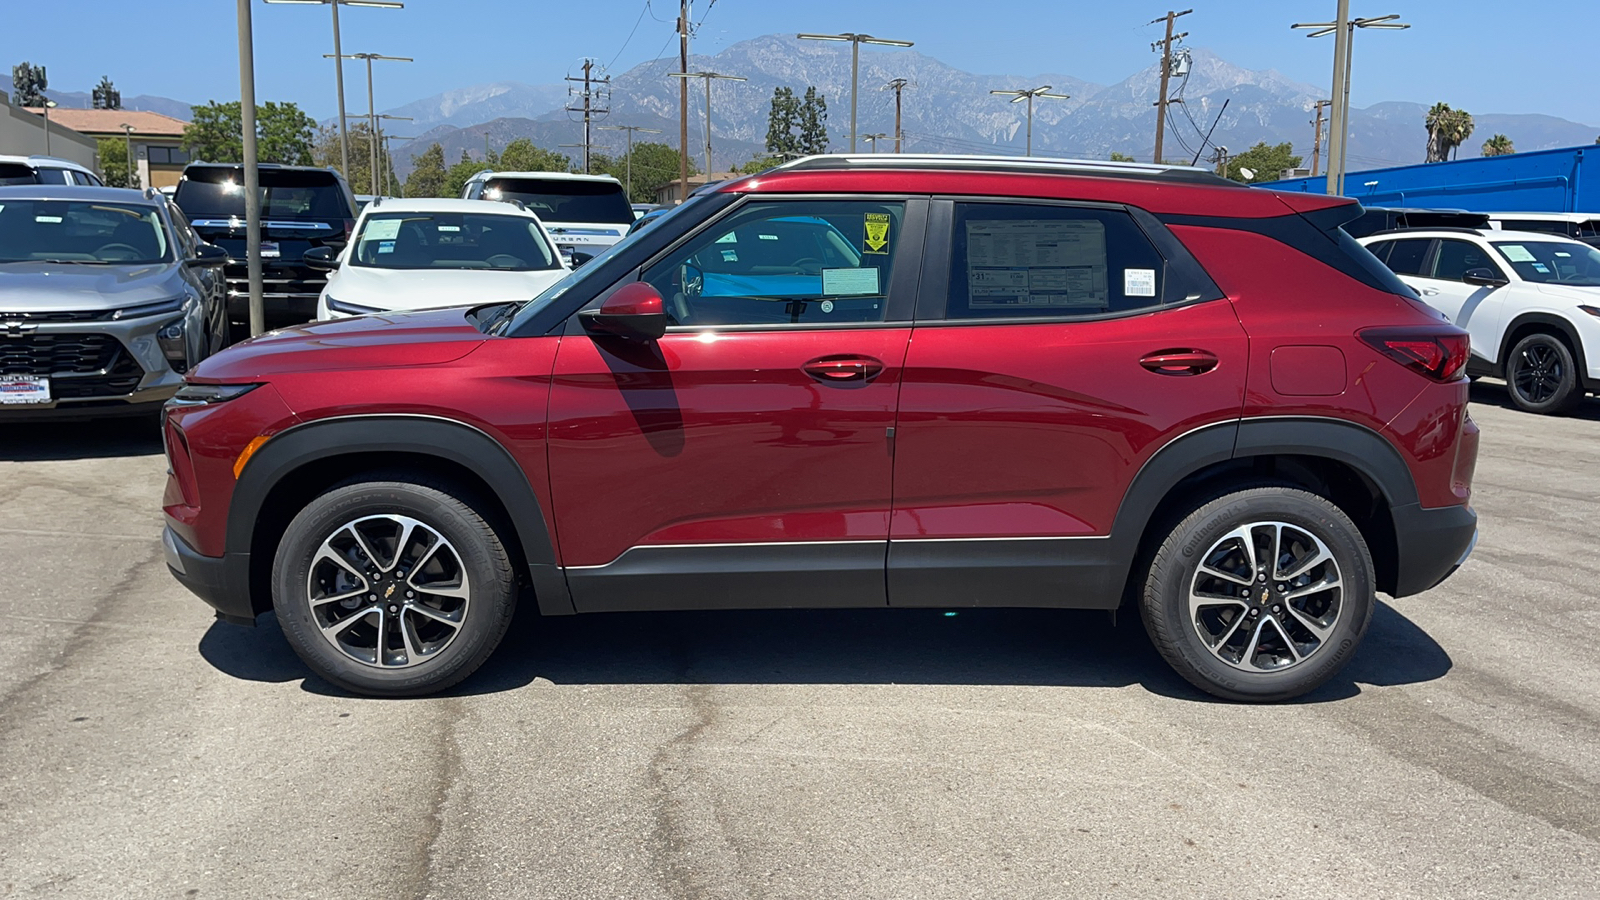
column 634, row 311
column 1484, row 278
column 323, row 259
column 579, row 258
column 208, row 256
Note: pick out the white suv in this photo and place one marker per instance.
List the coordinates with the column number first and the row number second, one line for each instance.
column 45, row 170
column 586, row 214
column 1530, row 301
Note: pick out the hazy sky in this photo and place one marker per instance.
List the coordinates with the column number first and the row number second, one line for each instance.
column 1481, row 55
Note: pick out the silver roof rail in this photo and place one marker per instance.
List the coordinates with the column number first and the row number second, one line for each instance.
column 842, row 161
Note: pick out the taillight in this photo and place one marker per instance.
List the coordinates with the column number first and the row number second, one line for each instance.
column 1439, row 353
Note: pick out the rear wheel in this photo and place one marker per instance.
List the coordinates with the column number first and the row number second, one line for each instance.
column 392, row 588
column 1542, row 376
column 1262, row 594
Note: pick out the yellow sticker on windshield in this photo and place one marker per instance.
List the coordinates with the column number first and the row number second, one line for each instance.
column 877, row 237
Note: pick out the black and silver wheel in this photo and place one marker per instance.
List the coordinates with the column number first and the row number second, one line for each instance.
column 1541, row 375
column 1261, row 594
column 392, row 588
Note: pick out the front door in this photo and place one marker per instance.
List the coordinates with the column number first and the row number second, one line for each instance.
column 742, row 460
column 1474, row 307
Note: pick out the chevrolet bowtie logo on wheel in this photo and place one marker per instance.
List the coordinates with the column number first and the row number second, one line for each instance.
column 388, row 592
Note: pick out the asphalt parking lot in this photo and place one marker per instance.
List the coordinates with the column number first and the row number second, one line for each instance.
column 149, row 752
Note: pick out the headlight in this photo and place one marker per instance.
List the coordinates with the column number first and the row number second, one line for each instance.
column 202, row 394
column 351, row 309
column 150, row 309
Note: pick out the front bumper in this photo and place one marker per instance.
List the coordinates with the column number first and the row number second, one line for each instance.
column 1432, row 544
column 95, row 367
column 223, row 583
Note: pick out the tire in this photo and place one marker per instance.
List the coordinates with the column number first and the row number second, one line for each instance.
column 1542, row 376
column 1336, row 594
column 344, row 545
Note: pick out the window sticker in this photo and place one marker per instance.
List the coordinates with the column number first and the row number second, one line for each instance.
column 1036, row 262
column 844, row 282
column 450, row 228
column 876, row 240
column 1138, row 282
column 767, row 237
column 1541, row 268
column 386, row 246
column 381, row 230
column 827, row 306
column 731, row 237
column 730, row 256
column 1516, row 253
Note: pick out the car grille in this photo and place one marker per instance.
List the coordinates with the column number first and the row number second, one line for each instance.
column 81, row 315
column 78, row 365
column 275, row 285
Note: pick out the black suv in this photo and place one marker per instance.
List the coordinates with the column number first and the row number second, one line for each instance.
column 301, row 208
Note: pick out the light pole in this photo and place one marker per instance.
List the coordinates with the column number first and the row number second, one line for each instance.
column 856, row 40
column 127, row 137
column 1343, row 28
column 628, row 164
column 338, row 57
column 1018, row 96
column 383, row 153
column 389, row 171
column 873, row 139
column 48, row 105
column 709, row 77
column 252, row 175
column 372, row 111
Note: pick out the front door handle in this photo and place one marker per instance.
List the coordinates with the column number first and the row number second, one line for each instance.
column 1180, row 362
column 843, row 369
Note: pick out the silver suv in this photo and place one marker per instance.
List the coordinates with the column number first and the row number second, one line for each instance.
column 106, row 298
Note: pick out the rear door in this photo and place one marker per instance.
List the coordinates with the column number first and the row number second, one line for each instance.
column 1057, row 347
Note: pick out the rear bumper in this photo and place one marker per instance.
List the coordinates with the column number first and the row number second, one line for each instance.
column 1432, row 544
column 222, row 582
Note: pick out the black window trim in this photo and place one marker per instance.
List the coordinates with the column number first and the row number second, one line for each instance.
column 1181, row 271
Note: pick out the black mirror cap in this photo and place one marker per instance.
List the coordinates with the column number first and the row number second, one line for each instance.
column 1484, row 278
column 579, row 258
column 321, row 258
column 207, row 256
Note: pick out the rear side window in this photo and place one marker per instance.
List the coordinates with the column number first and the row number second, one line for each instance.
column 206, row 193
column 1407, row 257
column 1381, row 250
column 1029, row 260
column 16, row 173
column 53, row 176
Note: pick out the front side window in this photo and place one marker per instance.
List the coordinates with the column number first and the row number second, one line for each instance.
column 1456, row 258
column 1553, row 262
column 800, row 262
column 1021, row 261
column 80, row 232
column 1407, row 257
column 417, row 240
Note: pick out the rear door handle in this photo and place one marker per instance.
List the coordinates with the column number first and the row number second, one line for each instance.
column 1179, row 362
column 843, row 369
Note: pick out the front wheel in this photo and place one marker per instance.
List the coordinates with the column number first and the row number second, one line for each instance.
column 1542, row 376
column 1260, row 595
column 392, row 588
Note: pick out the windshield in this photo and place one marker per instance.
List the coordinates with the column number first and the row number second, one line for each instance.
column 81, row 232
column 418, row 240
column 1553, row 262
column 219, row 193
column 565, row 200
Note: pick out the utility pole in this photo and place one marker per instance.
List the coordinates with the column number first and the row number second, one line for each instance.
column 897, row 85
column 133, row 164
column 1165, row 46
column 1220, row 158
column 1343, row 29
column 389, row 169
column 873, row 139
column 856, row 40
column 709, row 77
column 683, row 102
column 1316, row 138
column 1018, row 96
column 628, row 164
column 252, row 175
column 588, row 108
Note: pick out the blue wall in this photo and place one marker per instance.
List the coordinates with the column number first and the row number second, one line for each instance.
column 1562, row 180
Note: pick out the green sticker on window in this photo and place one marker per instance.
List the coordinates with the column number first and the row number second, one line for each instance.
column 877, row 236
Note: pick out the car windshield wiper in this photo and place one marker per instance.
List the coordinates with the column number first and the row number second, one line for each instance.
column 70, row 262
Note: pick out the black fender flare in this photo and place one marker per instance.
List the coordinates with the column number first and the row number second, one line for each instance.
column 448, row 439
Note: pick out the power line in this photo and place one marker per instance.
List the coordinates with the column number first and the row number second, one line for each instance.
column 631, row 32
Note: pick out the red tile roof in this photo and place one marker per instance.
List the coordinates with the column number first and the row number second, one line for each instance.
column 110, row 121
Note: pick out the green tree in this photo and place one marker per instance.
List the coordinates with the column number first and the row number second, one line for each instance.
column 782, row 120
column 813, row 123
column 427, row 178
column 113, row 154
column 1448, row 129
column 1499, row 145
column 325, row 152
column 654, row 164
column 521, row 155
column 28, row 84
column 457, row 176
column 1265, row 161
column 1121, row 157
column 759, row 164
column 284, row 134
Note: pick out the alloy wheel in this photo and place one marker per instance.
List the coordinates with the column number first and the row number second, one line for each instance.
column 1537, row 373
column 1266, row 596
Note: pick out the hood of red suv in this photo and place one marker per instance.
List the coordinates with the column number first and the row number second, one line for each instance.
column 383, row 341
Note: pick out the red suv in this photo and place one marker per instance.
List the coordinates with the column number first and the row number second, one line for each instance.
column 858, row 381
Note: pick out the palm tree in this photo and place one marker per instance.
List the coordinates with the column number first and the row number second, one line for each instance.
column 1437, row 123
column 1499, row 145
column 1460, row 129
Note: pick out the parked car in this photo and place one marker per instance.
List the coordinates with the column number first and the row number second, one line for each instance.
column 301, row 207
column 106, row 299
column 1576, row 225
column 1530, row 300
column 648, row 218
column 1374, row 219
column 584, row 213
column 642, row 209
column 426, row 254
column 16, row 170
column 1128, row 384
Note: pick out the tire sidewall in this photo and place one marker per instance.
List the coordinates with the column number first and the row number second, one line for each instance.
column 1564, row 395
column 1166, row 591
column 488, row 611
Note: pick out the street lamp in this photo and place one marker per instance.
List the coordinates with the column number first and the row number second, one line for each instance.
column 873, row 139
column 1343, row 29
column 383, row 152
column 630, row 129
column 372, row 111
column 389, row 171
column 338, row 54
column 856, row 40
column 709, row 77
column 127, row 136
column 48, row 105
column 1018, row 96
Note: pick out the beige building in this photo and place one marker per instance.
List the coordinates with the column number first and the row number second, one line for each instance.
column 156, row 139
column 22, row 133
column 668, row 194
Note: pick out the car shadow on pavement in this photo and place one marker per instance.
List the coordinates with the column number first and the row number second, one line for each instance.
column 889, row 646
column 23, row 441
column 1492, row 392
